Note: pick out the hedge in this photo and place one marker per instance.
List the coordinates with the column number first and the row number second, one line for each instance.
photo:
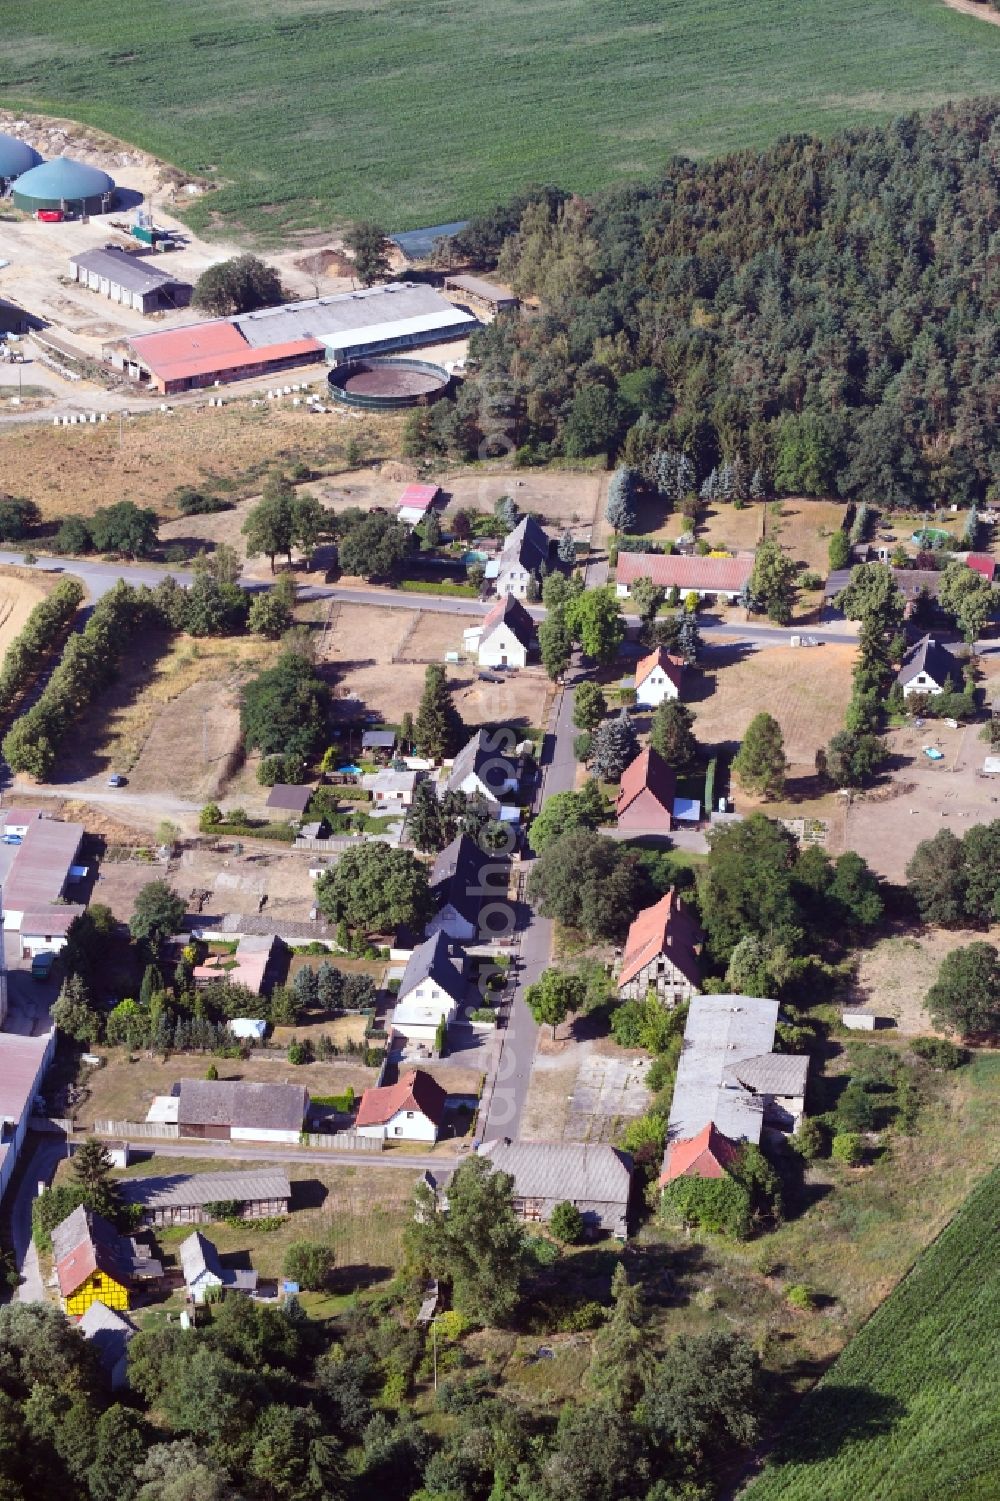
column 44, row 628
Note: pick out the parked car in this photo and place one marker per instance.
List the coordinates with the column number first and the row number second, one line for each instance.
column 41, row 966
column 116, row 779
column 12, row 839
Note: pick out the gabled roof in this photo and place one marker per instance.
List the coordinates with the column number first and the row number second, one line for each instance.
column 125, row 269
column 109, row 1332
column 414, row 1091
column 648, row 772
column 589, row 1173
column 85, row 1243
column 675, row 570
column 475, row 756
column 192, row 1190
column 199, row 1255
column 770, row 1073
column 721, row 1030
column 511, row 613
column 431, row 960
column 418, row 497
column 672, row 666
column 289, row 797
column 707, row 1155
column 666, row 928
column 378, row 740
column 981, row 562
column 234, row 1102
column 527, row 544
column 929, row 656
column 455, row 877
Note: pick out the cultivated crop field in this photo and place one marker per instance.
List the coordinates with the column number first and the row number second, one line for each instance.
column 416, row 113
column 912, row 1407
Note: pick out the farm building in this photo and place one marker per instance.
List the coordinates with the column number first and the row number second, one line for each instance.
column 289, row 798
column 730, row 1085
column 658, row 677
column 109, row 1333
column 487, row 293
column 708, row 577
column 183, row 1198
column 481, row 769
column 132, row 280
column 596, row 1178
column 234, row 1110
column 338, row 329
column 94, row 1264
column 661, row 953
column 928, row 667
column 415, row 502
column 645, row 800
column 410, row 1110
column 44, row 865
column 524, row 553
column 204, row 1272
column 506, row 637
column 65, row 185
column 16, row 158
column 23, row 1061
column 432, row 989
column 459, row 882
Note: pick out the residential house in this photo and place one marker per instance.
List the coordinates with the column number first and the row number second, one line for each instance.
column 391, row 789
column 709, row 577
column 184, row 1198
column 204, row 1273
column 415, row 502
column 411, row 1110
column 289, row 799
column 460, row 880
column 729, row 1078
column 432, row 988
column 928, row 668
column 645, row 799
column 661, row 953
column 235, row 1110
column 109, row 1333
column 483, row 769
column 981, row 562
column 595, row 1177
column 93, row 1263
column 658, row 677
column 506, row 637
column 524, row 554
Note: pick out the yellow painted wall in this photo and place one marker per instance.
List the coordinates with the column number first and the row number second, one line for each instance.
column 98, row 1288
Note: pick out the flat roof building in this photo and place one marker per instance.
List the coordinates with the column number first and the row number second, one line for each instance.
column 130, row 279
column 42, row 868
column 23, row 1061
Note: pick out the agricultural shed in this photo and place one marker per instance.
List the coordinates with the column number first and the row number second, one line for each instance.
column 181, row 1198
column 415, row 502
column 235, row 1110
column 130, row 279
column 287, row 797
column 594, row 1177
column 497, row 298
column 42, row 866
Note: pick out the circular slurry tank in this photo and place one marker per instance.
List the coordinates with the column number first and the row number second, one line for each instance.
column 16, row 158
column 73, row 187
column 385, row 383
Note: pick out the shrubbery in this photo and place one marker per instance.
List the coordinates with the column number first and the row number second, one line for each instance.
column 27, row 653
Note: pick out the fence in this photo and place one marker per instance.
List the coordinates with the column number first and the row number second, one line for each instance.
column 166, row 1130
column 343, row 1141
column 340, row 1141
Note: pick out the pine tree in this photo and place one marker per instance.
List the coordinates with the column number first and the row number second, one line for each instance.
column 505, row 510
column 406, row 731
column 424, row 823
column 758, row 487
column 724, row 482
column 439, row 731
column 567, row 548
column 760, row 761
column 688, row 639
column 329, row 984
column 305, row 987
column 710, row 487
column 622, row 1361
column 614, row 744
column 622, row 499
column 671, row 735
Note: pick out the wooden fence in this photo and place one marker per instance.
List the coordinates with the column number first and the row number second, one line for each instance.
column 339, row 1141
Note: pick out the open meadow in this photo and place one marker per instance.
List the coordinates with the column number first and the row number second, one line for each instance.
column 415, row 115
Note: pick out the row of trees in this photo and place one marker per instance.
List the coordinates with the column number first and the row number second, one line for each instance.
column 32, row 647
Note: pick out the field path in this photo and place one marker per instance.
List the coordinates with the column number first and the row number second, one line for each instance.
column 973, row 8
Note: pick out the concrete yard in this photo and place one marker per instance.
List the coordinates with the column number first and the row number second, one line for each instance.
column 583, row 1091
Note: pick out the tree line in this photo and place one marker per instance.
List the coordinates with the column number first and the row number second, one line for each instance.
column 31, row 649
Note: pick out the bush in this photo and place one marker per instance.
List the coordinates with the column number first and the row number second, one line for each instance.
column 718, row 1204
column 811, row 1140
column 939, row 1053
column 847, row 1148
column 800, row 1296
column 566, row 1223
column 309, row 1263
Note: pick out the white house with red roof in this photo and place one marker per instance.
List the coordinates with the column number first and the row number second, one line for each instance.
column 709, row 577
column 661, row 953
column 410, row 1110
column 658, row 677
column 415, row 502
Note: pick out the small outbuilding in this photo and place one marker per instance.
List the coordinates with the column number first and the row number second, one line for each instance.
column 204, row 1272
column 109, row 1333
column 130, row 279
column 391, row 789
column 189, row 1198
column 289, row 798
column 235, row 1110
column 415, row 502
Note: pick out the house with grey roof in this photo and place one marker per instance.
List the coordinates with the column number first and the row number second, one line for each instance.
column 391, row 789
column 523, row 555
column 461, row 877
column 432, row 988
column 235, row 1110
column 109, row 1333
column 190, row 1198
column 596, row 1178
column 928, row 667
column 484, row 768
column 204, row 1274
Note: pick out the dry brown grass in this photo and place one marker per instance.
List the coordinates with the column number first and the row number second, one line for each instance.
column 806, row 689
column 21, row 589
column 562, row 498
column 339, row 1029
column 895, row 975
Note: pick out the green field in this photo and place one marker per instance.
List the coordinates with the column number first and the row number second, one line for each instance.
column 420, row 111
column 911, row 1410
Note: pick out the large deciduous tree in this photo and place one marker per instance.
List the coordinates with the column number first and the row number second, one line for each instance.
column 772, row 581
column 283, row 711
column 157, row 914
column 238, row 286
column 477, row 1244
column 587, row 882
column 375, row 889
column 551, row 999
column 596, row 620
column 965, row 997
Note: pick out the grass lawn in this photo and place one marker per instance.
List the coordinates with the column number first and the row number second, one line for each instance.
column 912, row 1407
column 414, row 114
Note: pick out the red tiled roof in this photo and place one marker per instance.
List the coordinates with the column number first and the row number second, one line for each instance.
column 707, row 1155
column 672, row 666
column 665, row 928
column 981, row 562
column 670, row 570
column 418, row 497
column 516, row 616
column 203, row 348
column 414, row 1091
column 99, row 1249
column 647, row 771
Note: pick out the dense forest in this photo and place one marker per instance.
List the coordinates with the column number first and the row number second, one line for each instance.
column 825, row 311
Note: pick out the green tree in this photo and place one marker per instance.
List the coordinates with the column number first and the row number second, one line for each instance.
column 17, row 517
column 438, row 731
column 805, row 458
column 839, row 550
column 375, row 889
column 981, row 859
column 589, row 706
column 847, row 1147
column 647, row 598
column 214, row 609
column 551, row 999
column 936, row 876
column 157, row 914
column 555, row 640
column 707, row 1386
column 672, row 735
column 369, row 244
column 284, row 709
column 269, row 616
column 613, row 746
column 852, row 760
column 873, row 595
column 424, row 823
column 623, row 498
column 239, row 285
column 91, row 1164
column 74, row 1012
column 621, row 1362
column 476, row 1245
column 965, row 997
column 309, row 1263
column 179, row 1471
column 125, row 529
column 593, row 423
column 270, row 525
column 566, row 1223
column 748, row 887
column 121, row 1441
column 772, row 581
column 375, row 547
column 760, row 761
column 565, row 811
column 587, row 882
column 596, row 621
column 968, row 597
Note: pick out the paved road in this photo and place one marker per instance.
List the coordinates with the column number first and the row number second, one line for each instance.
column 39, row 1160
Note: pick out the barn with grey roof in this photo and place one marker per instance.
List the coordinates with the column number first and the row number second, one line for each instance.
column 596, row 1178
column 183, row 1198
